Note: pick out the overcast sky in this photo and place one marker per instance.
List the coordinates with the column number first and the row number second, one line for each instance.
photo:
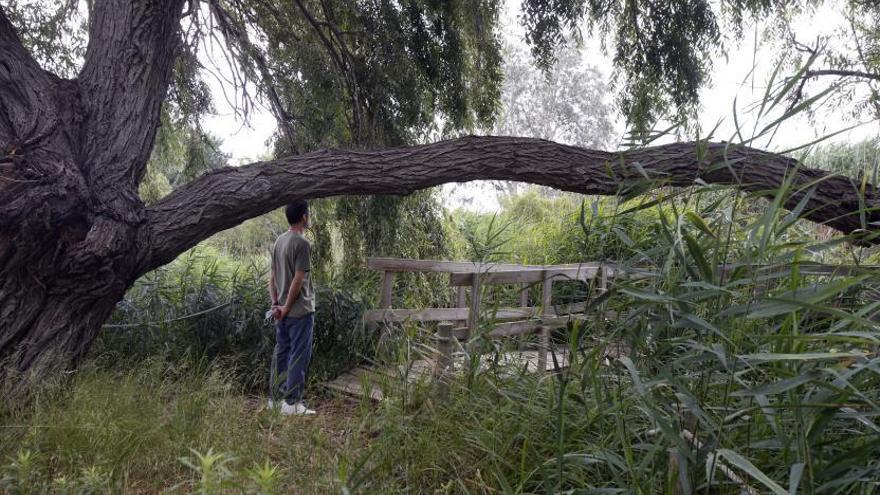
column 733, row 84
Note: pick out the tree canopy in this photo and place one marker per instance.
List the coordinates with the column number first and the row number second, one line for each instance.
column 384, row 73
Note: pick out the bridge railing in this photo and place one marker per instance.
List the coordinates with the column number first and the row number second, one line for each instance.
column 469, row 278
column 466, row 277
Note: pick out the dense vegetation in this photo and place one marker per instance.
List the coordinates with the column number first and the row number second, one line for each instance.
column 703, row 375
column 774, row 373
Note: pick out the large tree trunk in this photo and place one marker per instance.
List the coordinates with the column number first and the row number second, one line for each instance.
column 71, row 156
column 74, row 235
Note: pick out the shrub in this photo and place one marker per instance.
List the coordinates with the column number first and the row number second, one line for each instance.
column 208, row 307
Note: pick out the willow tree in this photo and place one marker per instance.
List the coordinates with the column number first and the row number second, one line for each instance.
column 74, row 147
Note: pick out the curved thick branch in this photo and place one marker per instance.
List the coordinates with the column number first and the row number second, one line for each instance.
column 226, row 197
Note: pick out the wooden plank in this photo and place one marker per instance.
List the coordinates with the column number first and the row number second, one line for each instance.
column 567, row 309
column 613, row 271
column 513, row 328
column 531, row 359
column 603, row 288
column 445, row 346
column 368, row 381
column 818, row 269
column 524, row 295
column 443, row 368
column 543, row 347
column 427, row 314
column 437, row 266
column 461, row 302
column 359, row 382
column 528, row 275
column 547, row 293
column 463, row 314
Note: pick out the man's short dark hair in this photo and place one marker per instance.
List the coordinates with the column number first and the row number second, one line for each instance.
column 296, row 211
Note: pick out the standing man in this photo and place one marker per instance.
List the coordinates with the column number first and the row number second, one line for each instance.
column 293, row 307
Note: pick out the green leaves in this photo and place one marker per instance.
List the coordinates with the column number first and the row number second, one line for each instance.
column 750, row 469
column 801, row 356
column 807, row 298
column 780, row 386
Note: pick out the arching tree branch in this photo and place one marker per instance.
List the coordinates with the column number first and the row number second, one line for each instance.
column 226, row 197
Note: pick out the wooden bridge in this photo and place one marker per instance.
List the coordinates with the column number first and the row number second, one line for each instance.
column 461, row 322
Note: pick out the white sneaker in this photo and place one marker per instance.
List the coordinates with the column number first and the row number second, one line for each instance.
column 297, row 409
column 270, row 404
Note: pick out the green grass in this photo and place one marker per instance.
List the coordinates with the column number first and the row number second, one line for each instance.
column 745, row 381
column 157, row 428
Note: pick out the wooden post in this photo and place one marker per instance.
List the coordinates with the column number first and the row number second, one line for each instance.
column 544, row 332
column 547, row 295
column 543, row 347
column 444, row 350
column 461, row 302
column 387, row 285
column 524, row 295
column 474, row 316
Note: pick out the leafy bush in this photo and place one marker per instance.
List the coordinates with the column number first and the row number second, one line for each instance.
column 532, row 228
column 207, row 306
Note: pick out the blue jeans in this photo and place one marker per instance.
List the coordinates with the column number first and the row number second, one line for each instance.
column 290, row 363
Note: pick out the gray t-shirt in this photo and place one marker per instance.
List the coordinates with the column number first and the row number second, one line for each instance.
column 290, row 253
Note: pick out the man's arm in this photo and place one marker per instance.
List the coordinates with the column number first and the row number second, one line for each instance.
column 273, row 289
column 295, row 287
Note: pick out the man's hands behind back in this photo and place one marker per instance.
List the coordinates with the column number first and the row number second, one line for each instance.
column 279, row 312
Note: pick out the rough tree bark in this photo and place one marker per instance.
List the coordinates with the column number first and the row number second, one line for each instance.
column 74, row 235
column 226, row 197
column 71, row 156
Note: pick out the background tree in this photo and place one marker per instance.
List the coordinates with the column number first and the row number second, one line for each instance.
column 663, row 51
column 567, row 103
